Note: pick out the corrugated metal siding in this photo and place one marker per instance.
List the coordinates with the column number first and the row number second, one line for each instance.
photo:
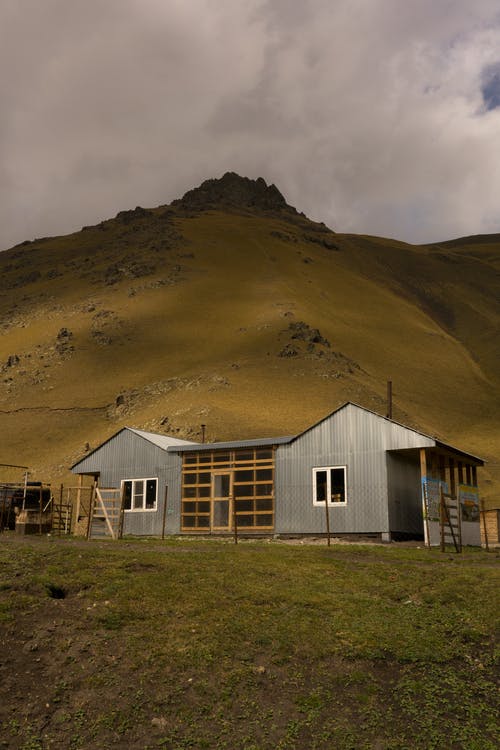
column 351, row 437
column 129, row 456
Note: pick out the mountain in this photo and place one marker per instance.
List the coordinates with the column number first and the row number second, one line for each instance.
column 230, row 308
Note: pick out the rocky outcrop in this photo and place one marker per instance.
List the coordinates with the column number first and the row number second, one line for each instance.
column 233, row 191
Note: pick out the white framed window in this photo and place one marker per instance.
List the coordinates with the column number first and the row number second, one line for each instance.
column 330, row 482
column 139, row 494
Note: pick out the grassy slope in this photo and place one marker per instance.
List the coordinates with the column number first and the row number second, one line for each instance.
column 190, row 330
column 204, row 645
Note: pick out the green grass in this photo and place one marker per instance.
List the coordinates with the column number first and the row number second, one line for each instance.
column 192, row 644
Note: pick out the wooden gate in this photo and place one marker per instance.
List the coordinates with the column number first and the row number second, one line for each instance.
column 106, row 516
column 62, row 517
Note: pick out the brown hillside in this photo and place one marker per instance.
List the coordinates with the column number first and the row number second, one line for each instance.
column 231, row 309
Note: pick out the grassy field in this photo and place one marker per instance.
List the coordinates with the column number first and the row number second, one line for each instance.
column 204, row 644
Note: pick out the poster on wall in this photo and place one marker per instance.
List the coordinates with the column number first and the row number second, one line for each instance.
column 468, row 497
column 431, row 503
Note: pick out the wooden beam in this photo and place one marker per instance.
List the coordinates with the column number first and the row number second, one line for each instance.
column 423, row 475
column 442, row 467
column 453, row 485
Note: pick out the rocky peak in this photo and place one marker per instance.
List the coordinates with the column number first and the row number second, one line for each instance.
column 233, row 191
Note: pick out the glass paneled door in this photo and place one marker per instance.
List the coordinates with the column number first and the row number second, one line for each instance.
column 221, row 501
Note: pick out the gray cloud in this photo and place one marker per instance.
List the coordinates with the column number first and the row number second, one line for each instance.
column 375, row 116
column 491, row 86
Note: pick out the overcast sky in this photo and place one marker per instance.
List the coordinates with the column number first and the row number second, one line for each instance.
column 374, row 116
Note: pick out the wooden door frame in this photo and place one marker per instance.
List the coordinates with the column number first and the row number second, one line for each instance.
column 229, row 498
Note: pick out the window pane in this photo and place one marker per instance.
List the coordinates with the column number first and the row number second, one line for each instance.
column 321, row 490
column 243, row 490
column 221, row 458
column 243, row 505
column 189, row 522
column 204, row 478
column 243, row 476
column 264, row 504
column 264, row 474
column 190, row 492
column 222, row 484
column 127, row 495
column 203, row 522
column 221, row 513
column 150, row 493
column 138, row 498
column 203, row 507
column 190, row 478
column 264, row 489
column 337, row 480
column 264, row 454
column 246, row 520
column 190, row 459
column 189, row 507
column 243, row 456
column 265, row 519
column 204, row 491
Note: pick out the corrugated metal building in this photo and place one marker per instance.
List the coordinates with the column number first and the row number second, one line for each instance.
column 367, row 468
column 131, row 458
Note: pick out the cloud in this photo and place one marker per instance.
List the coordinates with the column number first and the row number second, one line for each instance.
column 490, row 87
column 374, row 116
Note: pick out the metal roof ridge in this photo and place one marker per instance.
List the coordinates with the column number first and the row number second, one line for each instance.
column 246, row 443
column 147, row 435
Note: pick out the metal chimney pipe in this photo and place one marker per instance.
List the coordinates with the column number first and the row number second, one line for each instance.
column 203, row 435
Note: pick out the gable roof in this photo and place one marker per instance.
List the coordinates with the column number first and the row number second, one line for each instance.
column 175, row 445
column 437, row 443
column 161, row 441
column 363, row 408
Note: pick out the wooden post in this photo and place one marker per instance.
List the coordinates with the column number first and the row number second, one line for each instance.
column 91, row 509
column 482, row 513
column 441, row 516
column 235, row 520
column 460, row 473
column 327, row 513
column 468, row 474
column 164, row 519
column 61, row 494
column 453, row 485
column 474, row 476
column 423, row 475
column 41, row 510
column 78, row 496
column 442, row 469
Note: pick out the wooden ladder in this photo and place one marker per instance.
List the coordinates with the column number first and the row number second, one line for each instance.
column 62, row 517
column 105, row 513
column 451, row 528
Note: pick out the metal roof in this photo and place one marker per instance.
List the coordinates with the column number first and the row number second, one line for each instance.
column 162, row 441
column 263, row 442
column 255, row 443
column 175, row 445
column 437, row 443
